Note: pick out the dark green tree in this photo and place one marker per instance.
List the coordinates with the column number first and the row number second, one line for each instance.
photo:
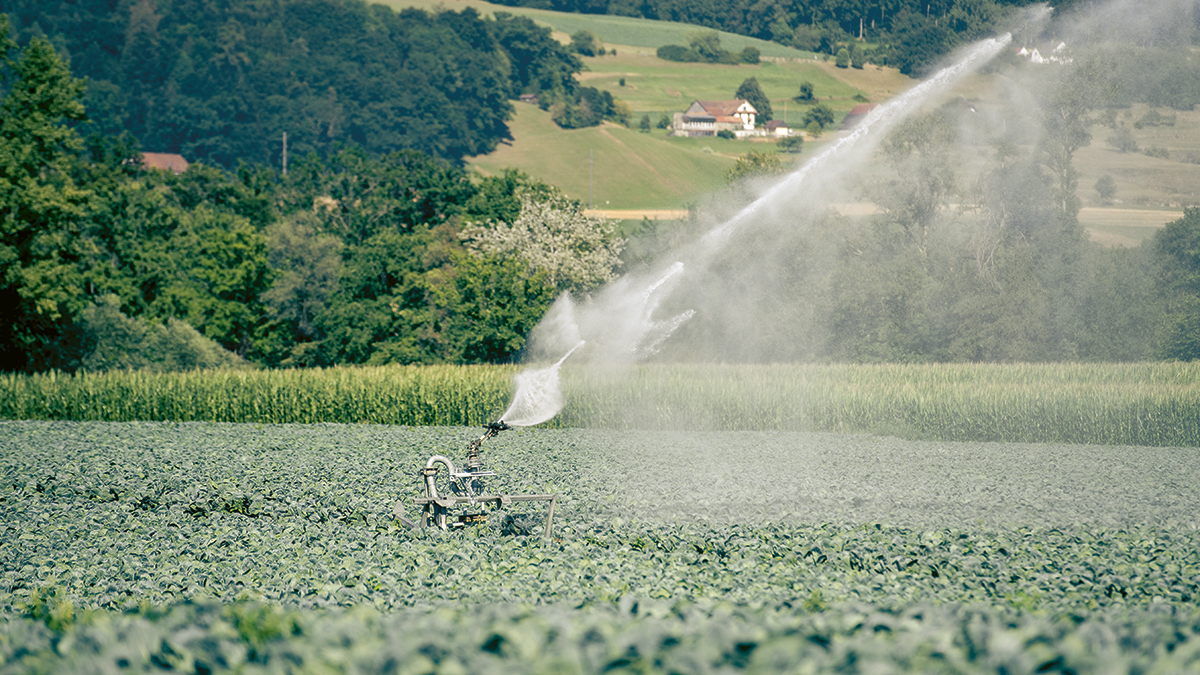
column 1177, row 247
column 820, row 114
column 583, row 42
column 752, row 92
column 45, row 254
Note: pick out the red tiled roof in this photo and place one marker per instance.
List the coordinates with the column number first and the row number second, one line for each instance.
column 164, row 161
column 722, row 108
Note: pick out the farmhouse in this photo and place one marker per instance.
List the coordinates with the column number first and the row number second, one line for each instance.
column 706, row 118
column 163, row 161
column 856, row 114
column 777, row 128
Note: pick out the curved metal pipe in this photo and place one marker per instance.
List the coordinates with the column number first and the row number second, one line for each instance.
column 430, row 487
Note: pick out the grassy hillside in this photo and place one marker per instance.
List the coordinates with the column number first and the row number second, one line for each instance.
column 624, row 168
column 651, row 171
column 611, row 30
column 632, row 170
column 661, row 87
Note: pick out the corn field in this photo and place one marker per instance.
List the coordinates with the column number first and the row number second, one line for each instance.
column 1117, row 404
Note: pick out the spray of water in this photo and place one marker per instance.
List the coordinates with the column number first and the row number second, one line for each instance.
column 539, row 396
column 619, row 323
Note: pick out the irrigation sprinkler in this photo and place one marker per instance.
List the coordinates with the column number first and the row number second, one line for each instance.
column 469, row 493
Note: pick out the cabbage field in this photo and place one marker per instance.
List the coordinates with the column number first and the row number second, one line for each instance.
column 206, row 547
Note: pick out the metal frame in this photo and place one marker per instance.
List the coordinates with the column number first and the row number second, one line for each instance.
column 438, row 508
column 466, row 484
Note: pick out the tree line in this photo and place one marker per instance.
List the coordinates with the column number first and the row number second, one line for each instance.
column 352, row 257
column 359, row 255
column 911, row 35
column 222, row 82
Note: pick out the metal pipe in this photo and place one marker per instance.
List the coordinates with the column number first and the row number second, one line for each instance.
column 430, row 486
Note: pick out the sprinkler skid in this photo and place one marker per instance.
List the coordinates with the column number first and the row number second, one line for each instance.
column 468, row 489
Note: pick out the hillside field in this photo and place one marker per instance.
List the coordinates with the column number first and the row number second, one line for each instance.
column 637, row 172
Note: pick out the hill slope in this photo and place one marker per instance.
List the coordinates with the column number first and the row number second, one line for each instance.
column 615, row 166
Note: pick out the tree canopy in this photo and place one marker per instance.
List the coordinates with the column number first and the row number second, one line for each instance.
column 222, row 83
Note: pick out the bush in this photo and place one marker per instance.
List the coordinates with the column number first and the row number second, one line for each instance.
column 122, row 343
column 664, row 122
column 858, row 58
column 1122, row 140
column 678, row 53
column 751, row 55
column 1106, row 187
column 583, row 42
column 820, row 114
column 791, row 144
column 843, row 58
column 725, row 133
column 806, row 94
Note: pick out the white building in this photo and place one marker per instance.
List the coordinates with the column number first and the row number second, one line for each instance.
column 706, row 118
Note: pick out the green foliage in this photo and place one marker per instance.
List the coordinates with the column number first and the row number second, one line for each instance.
column 751, row 55
column 917, row 42
column 808, row 574
column 754, row 164
column 584, row 43
column 218, row 86
column 122, row 343
column 1106, row 187
column 1122, row 140
column 843, row 58
column 677, row 53
column 42, row 210
column 1177, row 247
column 726, row 134
column 590, row 107
column 806, row 94
column 705, row 47
column 791, row 144
column 1113, row 404
column 820, row 115
column 753, row 93
column 858, row 56
column 539, row 64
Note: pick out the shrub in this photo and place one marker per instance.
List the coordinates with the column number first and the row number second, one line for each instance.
column 843, row 58
column 751, row 55
column 1122, row 140
column 791, row 144
column 727, row 134
column 678, row 53
column 1106, row 186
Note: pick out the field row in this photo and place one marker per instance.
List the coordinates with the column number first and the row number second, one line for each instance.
column 214, row 548
column 1117, row 404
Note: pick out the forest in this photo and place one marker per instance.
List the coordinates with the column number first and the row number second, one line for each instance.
column 220, row 82
column 379, row 247
column 907, row 34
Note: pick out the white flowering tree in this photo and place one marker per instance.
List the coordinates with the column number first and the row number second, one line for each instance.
column 552, row 234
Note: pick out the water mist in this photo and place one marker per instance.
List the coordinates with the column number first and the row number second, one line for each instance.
column 619, row 325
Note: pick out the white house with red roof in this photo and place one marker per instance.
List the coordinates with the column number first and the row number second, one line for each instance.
column 706, row 118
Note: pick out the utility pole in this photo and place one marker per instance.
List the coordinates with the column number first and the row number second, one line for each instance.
column 591, row 163
column 285, row 153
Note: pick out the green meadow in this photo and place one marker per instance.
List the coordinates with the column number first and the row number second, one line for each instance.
column 611, row 30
